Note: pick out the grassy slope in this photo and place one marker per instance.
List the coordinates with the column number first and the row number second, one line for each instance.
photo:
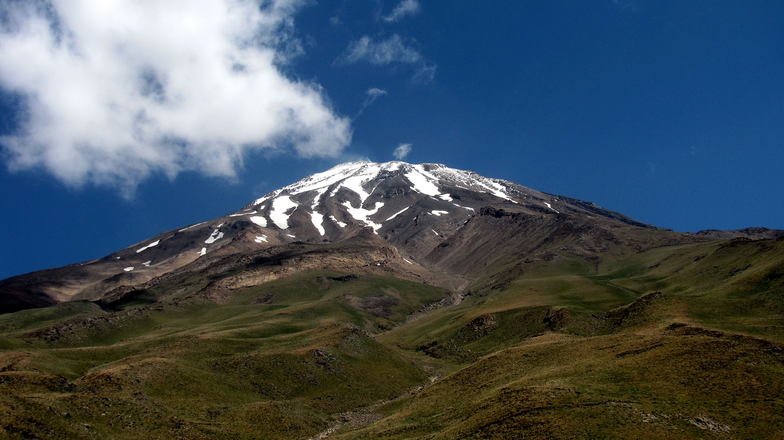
column 661, row 385
column 561, row 354
column 274, row 362
column 566, row 349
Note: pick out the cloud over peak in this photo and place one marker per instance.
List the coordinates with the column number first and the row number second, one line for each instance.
column 402, row 151
column 116, row 91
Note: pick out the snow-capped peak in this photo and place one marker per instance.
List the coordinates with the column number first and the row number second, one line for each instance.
column 424, row 178
column 379, row 181
column 387, row 197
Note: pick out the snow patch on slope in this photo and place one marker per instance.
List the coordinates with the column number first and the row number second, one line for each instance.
column 280, row 206
column 153, row 244
column 362, row 214
column 398, row 213
column 446, row 197
column 240, row 214
column 357, row 180
column 191, row 226
column 496, row 189
column 261, row 221
column 316, row 217
column 318, row 221
column 419, row 178
column 215, row 236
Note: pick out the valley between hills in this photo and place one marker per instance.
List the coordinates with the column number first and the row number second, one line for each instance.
column 400, row 301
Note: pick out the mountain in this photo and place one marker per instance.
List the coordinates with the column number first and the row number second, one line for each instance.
column 400, row 300
column 422, row 218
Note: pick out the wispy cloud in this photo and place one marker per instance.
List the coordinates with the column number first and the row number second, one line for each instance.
column 371, row 95
column 404, row 8
column 374, row 93
column 391, row 50
column 402, row 151
column 379, row 52
column 425, row 73
column 115, row 91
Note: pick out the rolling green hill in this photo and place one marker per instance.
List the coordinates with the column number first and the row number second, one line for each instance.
column 680, row 341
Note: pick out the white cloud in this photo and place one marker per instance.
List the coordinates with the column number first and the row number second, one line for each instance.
column 404, row 8
column 117, row 90
column 371, row 95
column 402, row 151
column 387, row 51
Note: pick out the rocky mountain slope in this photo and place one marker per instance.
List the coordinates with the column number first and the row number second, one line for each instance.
column 428, row 218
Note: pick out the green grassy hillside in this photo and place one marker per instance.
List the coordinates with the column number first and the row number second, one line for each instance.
column 674, row 384
column 273, row 362
column 682, row 341
column 675, row 342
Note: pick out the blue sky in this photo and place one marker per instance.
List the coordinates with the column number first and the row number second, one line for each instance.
column 670, row 112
